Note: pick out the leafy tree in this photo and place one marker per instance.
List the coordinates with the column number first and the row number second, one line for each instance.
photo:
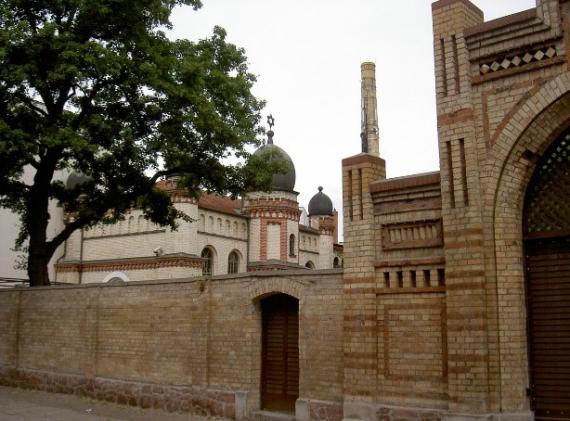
column 96, row 87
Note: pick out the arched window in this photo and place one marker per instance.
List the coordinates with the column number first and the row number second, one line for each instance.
column 202, row 222
column 233, row 262
column 116, row 278
column 336, row 262
column 292, row 245
column 208, row 262
column 310, row 265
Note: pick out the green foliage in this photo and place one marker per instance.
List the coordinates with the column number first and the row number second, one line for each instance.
column 97, row 87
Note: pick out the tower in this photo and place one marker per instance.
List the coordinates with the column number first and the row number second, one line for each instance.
column 369, row 116
column 274, row 216
column 358, row 171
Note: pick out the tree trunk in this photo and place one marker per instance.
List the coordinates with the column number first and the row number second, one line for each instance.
column 38, row 266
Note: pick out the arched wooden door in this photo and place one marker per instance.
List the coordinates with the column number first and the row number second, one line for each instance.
column 547, row 249
column 280, row 353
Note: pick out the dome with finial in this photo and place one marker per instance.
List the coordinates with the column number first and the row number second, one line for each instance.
column 271, row 153
column 320, row 204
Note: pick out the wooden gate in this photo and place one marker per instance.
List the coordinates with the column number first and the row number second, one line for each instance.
column 548, row 266
column 547, row 248
column 280, row 353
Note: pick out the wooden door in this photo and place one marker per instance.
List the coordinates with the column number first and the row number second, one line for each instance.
column 548, row 295
column 280, row 353
column 546, row 222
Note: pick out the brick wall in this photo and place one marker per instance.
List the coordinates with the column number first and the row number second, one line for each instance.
column 185, row 344
column 501, row 90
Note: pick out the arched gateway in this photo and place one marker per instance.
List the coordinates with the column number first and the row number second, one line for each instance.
column 546, row 227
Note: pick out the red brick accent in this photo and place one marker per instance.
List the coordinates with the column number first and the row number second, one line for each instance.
column 327, row 225
column 266, row 207
column 142, row 263
column 263, row 240
column 283, row 240
column 459, row 116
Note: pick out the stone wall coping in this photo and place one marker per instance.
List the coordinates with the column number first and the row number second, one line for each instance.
column 134, row 259
column 362, row 158
column 256, row 274
column 406, row 182
column 443, row 3
column 499, row 23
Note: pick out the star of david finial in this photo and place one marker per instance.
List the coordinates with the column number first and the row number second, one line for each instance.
column 270, row 121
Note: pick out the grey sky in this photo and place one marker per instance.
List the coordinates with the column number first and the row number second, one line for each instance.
column 307, row 56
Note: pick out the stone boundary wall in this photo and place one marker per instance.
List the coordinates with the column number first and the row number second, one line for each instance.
column 180, row 345
column 145, row 395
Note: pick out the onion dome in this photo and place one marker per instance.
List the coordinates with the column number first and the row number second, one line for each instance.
column 270, row 152
column 320, row 204
column 75, row 179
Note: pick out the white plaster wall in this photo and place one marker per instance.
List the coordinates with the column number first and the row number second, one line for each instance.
column 183, row 240
column 308, row 242
column 222, row 248
column 73, row 247
column 305, row 256
column 221, row 224
column 326, row 252
column 9, row 228
column 293, row 228
column 273, row 241
column 254, row 240
column 145, row 275
column 124, row 246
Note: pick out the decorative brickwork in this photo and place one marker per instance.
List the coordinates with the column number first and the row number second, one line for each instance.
column 143, row 263
column 408, row 235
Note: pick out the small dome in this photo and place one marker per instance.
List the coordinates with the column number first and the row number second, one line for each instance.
column 281, row 181
column 320, row 204
column 75, row 179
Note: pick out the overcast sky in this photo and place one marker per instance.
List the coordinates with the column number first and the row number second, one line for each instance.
column 307, row 55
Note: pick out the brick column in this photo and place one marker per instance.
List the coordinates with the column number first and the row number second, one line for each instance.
column 467, row 330
column 360, row 320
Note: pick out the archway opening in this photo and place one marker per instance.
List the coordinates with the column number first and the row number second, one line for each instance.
column 547, row 256
column 280, row 353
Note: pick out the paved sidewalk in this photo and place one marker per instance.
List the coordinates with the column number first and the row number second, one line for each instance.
column 20, row 405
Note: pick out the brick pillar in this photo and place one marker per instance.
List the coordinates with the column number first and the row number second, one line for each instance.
column 467, row 329
column 360, row 321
